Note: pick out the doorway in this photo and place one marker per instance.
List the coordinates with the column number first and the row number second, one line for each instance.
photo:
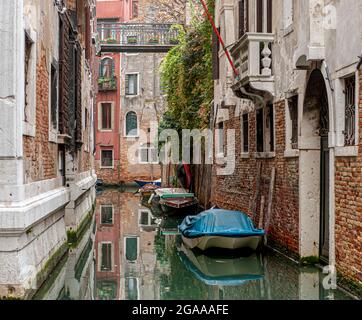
column 314, row 170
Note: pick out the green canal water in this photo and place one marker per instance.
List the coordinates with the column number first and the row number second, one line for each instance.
column 131, row 253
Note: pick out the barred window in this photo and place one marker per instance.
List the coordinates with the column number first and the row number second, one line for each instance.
column 106, row 260
column 350, row 111
column 107, row 214
column 107, row 158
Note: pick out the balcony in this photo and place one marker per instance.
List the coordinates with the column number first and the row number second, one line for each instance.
column 107, row 84
column 252, row 56
column 137, row 37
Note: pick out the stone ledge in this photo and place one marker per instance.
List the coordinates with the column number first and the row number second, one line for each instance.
column 346, row 151
column 291, row 153
column 19, row 217
column 264, row 155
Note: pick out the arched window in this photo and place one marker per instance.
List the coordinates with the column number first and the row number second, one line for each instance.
column 106, row 69
column 131, row 124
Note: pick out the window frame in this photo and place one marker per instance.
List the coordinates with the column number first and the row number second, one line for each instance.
column 150, row 217
column 100, row 116
column 101, row 214
column 125, row 126
column 53, row 127
column 267, row 151
column 220, row 147
column 242, row 122
column 100, row 256
column 138, row 84
column 101, row 157
column 125, row 247
column 149, row 149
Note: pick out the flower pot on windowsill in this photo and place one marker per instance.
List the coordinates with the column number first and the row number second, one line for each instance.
column 132, row 41
column 111, row 41
column 153, row 41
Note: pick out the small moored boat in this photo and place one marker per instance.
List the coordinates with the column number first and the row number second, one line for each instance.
column 218, row 228
column 175, row 201
column 147, row 190
column 142, row 183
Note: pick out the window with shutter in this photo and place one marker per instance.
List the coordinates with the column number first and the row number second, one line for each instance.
column 131, row 289
column 54, row 96
column 215, row 56
column 106, row 259
column 131, row 250
column 245, row 120
column 106, row 111
column 131, row 124
column 243, row 17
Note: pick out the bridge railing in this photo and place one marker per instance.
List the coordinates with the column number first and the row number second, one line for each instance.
column 137, row 34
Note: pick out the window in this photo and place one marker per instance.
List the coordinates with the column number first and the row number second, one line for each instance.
column 54, row 97
column 148, row 154
column 131, row 84
column 245, row 128
column 260, row 130
column 107, row 158
column 220, row 139
column 131, row 124
column 270, row 127
column 262, row 16
column 132, row 289
column 131, row 248
column 265, row 129
column 146, row 218
column 215, row 56
column 107, row 214
column 293, row 115
column 106, row 116
column 350, row 111
column 243, row 17
column 106, row 257
column 107, row 68
column 29, row 86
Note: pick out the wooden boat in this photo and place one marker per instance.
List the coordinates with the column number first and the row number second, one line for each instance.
column 175, row 201
column 148, row 189
column 220, row 229
column 142, row 183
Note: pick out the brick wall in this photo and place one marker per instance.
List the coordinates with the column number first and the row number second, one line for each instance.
column 39, row 154
column 237, row 191
column 348, row 194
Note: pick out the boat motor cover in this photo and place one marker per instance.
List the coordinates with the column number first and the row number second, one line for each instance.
column 217, row 222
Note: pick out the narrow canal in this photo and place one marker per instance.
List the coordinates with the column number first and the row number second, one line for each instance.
column 128, row 252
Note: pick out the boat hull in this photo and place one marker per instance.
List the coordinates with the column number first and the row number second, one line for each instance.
column 174, row 210
column 230, row 243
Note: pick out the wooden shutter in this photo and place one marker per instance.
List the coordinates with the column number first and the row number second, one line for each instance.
column 127, row 84
column 215, row 56
column 270, row 16
column 78, row 109
column 259, row 15
column 241, row 18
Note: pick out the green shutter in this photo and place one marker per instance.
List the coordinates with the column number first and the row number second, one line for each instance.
column 131, row 249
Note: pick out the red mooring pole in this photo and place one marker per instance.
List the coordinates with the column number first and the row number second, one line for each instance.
column 236, row 73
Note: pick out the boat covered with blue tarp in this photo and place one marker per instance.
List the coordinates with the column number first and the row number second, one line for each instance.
column 220, row 229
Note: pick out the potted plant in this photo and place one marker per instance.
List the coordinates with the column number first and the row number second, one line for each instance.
column 153, row 41
column 132, row 40
column 111, row 40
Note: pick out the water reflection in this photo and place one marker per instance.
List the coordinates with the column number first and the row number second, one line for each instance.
column 130, row 252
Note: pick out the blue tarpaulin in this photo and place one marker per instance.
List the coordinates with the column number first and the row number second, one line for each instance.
column 217, row 222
